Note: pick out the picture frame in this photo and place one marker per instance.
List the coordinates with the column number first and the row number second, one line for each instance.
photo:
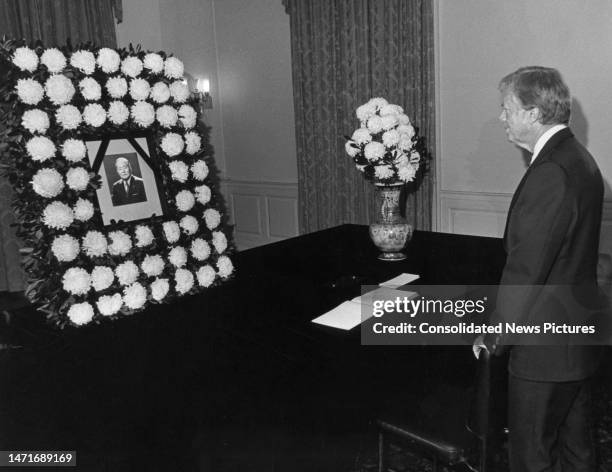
column 140, row 196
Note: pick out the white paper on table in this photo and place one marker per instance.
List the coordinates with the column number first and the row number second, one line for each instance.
column 345, row 316
column 383, row 293
column 400, row 280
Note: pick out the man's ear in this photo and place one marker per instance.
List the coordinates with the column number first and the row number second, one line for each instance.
column 535, row 114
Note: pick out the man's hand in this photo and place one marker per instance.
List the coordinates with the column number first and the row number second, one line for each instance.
column 478, row 346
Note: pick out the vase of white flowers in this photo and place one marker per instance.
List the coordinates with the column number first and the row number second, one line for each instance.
column 384, row 149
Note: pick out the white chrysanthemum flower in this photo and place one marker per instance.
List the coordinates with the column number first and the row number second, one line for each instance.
column 30, row 91
column 94, row 115
column 77, row 178
column 172, row 144
column 94, row 244
column 361, row 136
column 390, row 138
column 83, row 210
column 90, row 89
column 139, row 89
column 109, row 305
column 144, row 236
column 102, row 277
column 179, row 170
column 154, row 62
column 59, row 89
column 188, row 116
column 80, row 313
column 127, row 273
column 179, row 91
column 378, row 102
column 68, row 116
column 406, row 130
column 131, row 66
column 54, row 59
column 219, row 241
column 108, row 60
column 74, row 150
column 134, row 296
column 364, row 112
column 76, row 281
column 25, row 58
column 143, row 114
column 193, row 142
column 203, row 194
column 225, row 266
column 374, row 151
column 189, row 224
column 200, row 249
column 118, row 112
column 383, row 172
column 184, row 280
column 375, row 124
column 405, row 143
column 199, row 169
column 185, row 200
column 159, row 289
column 47, row 183
column 351, row 148
column 415, row 157
column 160, row 93
column 206, row 276
column 177, row 256
column 65, row 248
column 152, row 265
column 173, row 68
column 172, row 231
column 391, row 109
column 116, row 87
column 40, row 148
column 167, row 116
column 212, row 218
column 389, row 122
column 401, row 159
column 85, row 61
column 406, row 173
column 58, row 215
column 120, row 244
column 403, row 119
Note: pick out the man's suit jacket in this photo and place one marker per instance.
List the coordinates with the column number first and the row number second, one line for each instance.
column 136, row 193
column 552, row 240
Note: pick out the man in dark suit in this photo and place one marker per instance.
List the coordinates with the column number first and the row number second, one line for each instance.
column 129, row 188
column 551, row 240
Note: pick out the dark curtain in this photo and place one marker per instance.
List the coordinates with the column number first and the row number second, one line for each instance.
column 53, row 22
column 345, row 52
column 56, row 21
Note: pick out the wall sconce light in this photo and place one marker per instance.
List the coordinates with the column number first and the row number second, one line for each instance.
column 203, row 92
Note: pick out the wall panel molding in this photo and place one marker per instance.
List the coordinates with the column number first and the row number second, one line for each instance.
column 261, row 212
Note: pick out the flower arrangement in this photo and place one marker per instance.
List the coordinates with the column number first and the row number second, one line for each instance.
column 385, row 146
column 81, row 271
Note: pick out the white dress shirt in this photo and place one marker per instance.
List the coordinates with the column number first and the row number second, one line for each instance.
column 542, row 140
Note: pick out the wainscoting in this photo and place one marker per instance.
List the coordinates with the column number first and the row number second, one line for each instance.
column 261, row 212
column 484, row 214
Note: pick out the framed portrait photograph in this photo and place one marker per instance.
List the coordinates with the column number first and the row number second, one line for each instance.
column 130, row 189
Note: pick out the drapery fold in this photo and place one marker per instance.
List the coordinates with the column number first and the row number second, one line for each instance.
column 54, row 22
column 345, row 52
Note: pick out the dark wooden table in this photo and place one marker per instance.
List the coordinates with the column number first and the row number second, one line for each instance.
column 238, row 378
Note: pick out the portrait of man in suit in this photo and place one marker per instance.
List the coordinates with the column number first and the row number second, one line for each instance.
column 129, row 188
column 551, row 241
